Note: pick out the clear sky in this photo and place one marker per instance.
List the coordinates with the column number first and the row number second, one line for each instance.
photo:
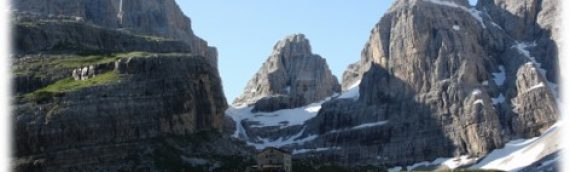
column 245, row 31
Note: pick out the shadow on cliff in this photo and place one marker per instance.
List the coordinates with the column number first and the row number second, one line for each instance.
column 412, row 132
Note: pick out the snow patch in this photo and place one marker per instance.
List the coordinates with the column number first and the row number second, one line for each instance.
column 537, row 86
column 499, row 99
column 479, row 101
column 496, row 25
column 302, row 151
column 476, row 92
column 353, row 92
column 366, row 125
column 361, row 126
column 451, row 163
column 282, row 118
column 474, row 12
column 501, row 76
column 395, row 169
column 520, row 153
column 454, row 163
column 283, row 141
column 522, row 48
column 456, row 27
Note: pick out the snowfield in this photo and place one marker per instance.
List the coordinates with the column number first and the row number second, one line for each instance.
column 518, row 154
column 283, row 118
column 353, row 92
column 283, row 141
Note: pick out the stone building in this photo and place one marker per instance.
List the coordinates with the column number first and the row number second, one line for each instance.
column 274, row 160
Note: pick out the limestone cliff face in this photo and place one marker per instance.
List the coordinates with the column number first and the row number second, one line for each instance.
column 442, row 79
column 532, row 21
column 155, row 96
column 154, row 101
column 292, row 76
column 146, row 17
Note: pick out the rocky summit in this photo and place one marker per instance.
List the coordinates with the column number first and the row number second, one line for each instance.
column 291, row 77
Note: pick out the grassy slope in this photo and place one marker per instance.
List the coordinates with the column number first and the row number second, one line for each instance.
column 69, row 84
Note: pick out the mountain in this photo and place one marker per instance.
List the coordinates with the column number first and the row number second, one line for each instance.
column 437, row 78
column 91, row 94
column 291, row 77
column 112, row 85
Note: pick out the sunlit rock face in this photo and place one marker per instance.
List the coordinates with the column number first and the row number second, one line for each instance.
column 148, row 96
column 439, row 79
column 291, row 77
column 146, row 17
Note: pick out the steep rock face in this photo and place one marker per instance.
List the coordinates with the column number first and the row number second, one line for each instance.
column 65, row 35
column 169, row 95
column 532, row 21
column 292, row 76
column 156, row 102
column 439, row 79
column 532, row 117
column 155, row 17
column 147, row 100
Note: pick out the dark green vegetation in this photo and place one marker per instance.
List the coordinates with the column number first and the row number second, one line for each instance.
column 177, row 154
column 315, row 166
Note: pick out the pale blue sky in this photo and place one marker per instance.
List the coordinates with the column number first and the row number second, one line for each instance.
column 245, row 31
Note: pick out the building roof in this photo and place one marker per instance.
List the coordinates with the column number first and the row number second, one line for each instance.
column 277, row 149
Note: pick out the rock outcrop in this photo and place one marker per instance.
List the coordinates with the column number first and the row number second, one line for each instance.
column 351, row 76
column 292, row 77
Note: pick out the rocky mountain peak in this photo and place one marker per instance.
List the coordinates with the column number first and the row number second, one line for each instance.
column 293, row 46
column 406, row 3
column 291, row 77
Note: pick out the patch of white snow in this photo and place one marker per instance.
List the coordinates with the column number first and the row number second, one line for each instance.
column 456, row 27
column 537, row 86
column 520, row 153
column 499, row 99
column 501, row 76
column 474, row 12
column 479, row 101
column 476, row 92
column 302, row 151
column 283, row 141
column 353, row 92
column 451, row 163
column 395, row 169
column 361, row 126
